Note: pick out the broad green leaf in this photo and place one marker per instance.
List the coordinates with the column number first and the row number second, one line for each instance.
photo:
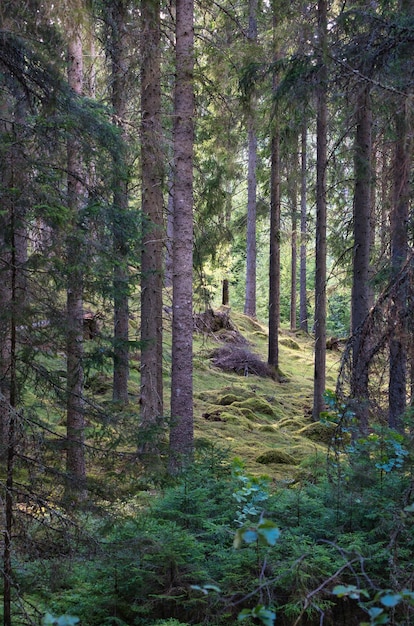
column 250, row 535
column 269, row 531
column 349, row 591
column 390, row 599
column 375, row 611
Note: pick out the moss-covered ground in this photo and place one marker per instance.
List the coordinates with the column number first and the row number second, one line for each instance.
column 265, row 422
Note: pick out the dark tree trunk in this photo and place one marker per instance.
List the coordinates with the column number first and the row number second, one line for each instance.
column 13, row 256
column 292, row 183
column 225, row 292
column 274, row 241
column 361, row 292
column 303, row 299
column 321, row 213
column 397, row 388
column 75, row 421
column 152, row 209
column 181, row 432
column 117, row 16
column 251, row 245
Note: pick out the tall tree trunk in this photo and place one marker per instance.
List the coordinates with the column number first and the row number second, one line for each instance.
column 152, row 209
column 181, row 432
column 75, row 420
column 6, row 182
column 274, row 247
column 251, row 245
column 118, row 17
column 303, row 299
column 361, row 291
column 13, row 252
column 321, row 215
column 292, row 183
column 397, row 388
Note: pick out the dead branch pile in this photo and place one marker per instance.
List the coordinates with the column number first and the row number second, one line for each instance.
column 241, row 361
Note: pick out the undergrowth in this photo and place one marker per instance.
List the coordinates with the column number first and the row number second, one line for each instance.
column 221, row 545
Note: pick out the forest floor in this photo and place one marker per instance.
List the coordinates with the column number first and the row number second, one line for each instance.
column 265, row 422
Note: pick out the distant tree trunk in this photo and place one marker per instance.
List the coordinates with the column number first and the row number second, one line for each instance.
column 274, row 236
column 292, row 183
column 182, row 428
column 361, row 292
column 251, row 251
column 225, row 292
column 117, row 17
column 152, row 209
column 321, row 216
column 75, row 420
column 397, row 389
column 169, row 234
column 6, row 182
column 303, row 298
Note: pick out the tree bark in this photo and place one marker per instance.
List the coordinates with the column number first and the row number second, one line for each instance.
column 361, row 292
column 181, row 431
column 152, row 209
column 75, row 420
column 397, row 387
column 292, row 183
column 274, row 236
column 321, row 216
column 118, row 17
column 303, row 299
column 251, row 245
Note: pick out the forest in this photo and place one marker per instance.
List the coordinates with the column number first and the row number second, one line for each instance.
column 206, row 332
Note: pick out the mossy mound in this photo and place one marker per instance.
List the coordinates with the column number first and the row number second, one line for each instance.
column 289, row 343
column 249, row 324
column 291, row 423
column 236, row 418
column 226, row 395
column 256, row 404
column 267, row 428
column 318, row 432
column 276, row 456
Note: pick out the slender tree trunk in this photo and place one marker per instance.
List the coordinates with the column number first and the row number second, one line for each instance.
column 117, row 16
column 361, row 292
column 5, row 271
column 321, row 215
column 181, row 432
column 274, row 247
column 397, row 388
column 152, row 209
column 303, row 300
column 75, row 420
column 13, row 251
column 294, row 251
column 170, row 234
column 251, row 245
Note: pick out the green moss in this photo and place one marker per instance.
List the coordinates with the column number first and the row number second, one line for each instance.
column 234, row 418
column 257, row 405
column 267, row 428
column 290, row 343
column 276, row 456
column 291, row 423
column 227, row 399
column 321, row 433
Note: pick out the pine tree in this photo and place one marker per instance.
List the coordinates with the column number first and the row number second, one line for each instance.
column 182, row 429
